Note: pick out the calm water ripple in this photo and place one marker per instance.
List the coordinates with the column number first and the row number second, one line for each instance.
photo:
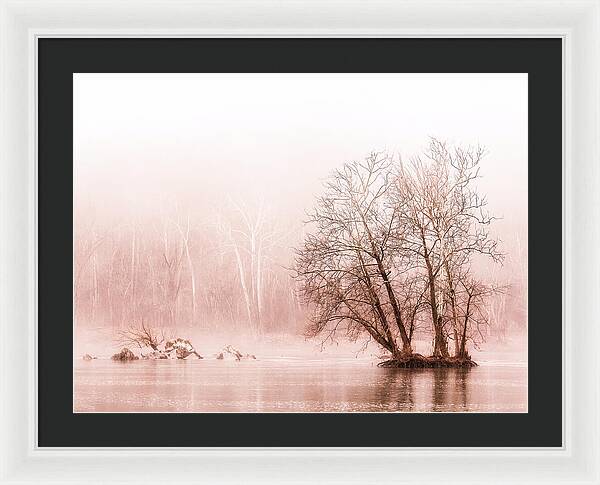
column 279, row 385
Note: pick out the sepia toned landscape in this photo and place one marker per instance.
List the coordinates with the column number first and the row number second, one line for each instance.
column 300, row 243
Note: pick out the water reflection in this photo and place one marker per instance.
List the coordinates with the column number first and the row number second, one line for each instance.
column 294, row 386
column 396, row 389
column 450, row 387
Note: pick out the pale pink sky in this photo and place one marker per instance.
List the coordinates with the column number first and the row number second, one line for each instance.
column 141, row 137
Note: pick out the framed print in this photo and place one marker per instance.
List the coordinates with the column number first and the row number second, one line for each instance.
column 284, row 281
column 244, row 253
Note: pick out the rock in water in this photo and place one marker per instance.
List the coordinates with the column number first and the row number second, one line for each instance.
column 155, row 355
column 231, row 353
column 125, row 355
column 181, row 349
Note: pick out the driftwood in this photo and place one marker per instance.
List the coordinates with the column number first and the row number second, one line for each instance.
column 152, row 339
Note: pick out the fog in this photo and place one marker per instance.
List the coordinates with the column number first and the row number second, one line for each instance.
column 138, row 138
column 191, row 191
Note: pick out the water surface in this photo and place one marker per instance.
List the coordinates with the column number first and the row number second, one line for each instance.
column 294, row 385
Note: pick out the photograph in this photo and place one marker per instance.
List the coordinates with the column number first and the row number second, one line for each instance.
column 300, row 243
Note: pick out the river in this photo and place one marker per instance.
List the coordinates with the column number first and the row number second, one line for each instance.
column 294, row 385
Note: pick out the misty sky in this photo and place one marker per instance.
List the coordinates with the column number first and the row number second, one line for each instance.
column 204, row 137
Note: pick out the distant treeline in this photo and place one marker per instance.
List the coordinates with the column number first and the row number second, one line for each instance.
column 394, row 251
column 173, row 270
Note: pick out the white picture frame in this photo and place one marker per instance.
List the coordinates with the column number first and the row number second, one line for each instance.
column 576, row 22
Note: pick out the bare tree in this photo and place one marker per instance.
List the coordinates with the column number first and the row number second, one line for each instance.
column 185, row 238
column 251, row 238
column 473, row 297
column 87, row 244
column 141, row 336
column 172, row 256
column 392, row 239
column 346, row 267
column 442, row 221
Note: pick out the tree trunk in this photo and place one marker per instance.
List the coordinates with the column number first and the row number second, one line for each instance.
column 406, row 344
column 440, row 347
column 245, row 291
column 192, row 279
column 456, row 340
column 462, row 353
column 133, row 311
column 393, row 346
column 453, row 307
